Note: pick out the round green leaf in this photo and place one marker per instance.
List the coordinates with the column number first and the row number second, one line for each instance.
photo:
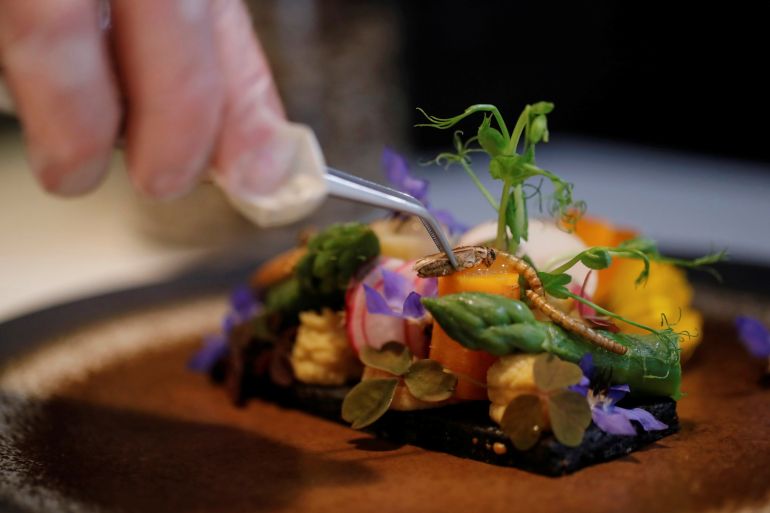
column 570, row 416
column 551, row 373
column 523, row 421
column 393, row 357
column 368, row 401
column 428, row 381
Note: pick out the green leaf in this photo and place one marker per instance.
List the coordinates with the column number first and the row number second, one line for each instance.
column 393, row 357
column 490, row 138
column 552, row 373
column 555, row 284
column 538, row 130
column 368, row 401
column 570, row 416
column 541, row 108
column 523, row 421
column 427, row 380
column 596, row 258
column 511, row 168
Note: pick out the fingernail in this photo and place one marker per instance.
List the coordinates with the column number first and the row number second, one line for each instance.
column 84, row 179
column 264, row 169
column 59, row 180
column 169, row 185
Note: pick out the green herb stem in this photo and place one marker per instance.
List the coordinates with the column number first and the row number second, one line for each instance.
column 502, row 235
column 566, row 266
column 601, row 310
column 484, row 191
column 521, row 123
column 521, row 221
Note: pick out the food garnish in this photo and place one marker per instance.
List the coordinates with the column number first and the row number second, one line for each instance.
column 603, row 398
column 756, row 339
column 553, row 329
column 425, row 379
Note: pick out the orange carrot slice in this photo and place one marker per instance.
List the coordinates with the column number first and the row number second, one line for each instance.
column 471, row 366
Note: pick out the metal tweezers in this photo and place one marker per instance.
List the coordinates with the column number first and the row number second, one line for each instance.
column 349, row 187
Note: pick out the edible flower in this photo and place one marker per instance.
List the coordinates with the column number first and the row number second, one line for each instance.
column 607, row 416
column 666, row 292
column 397, row 299
column 243, row 306
column 754, row 335
column 397, row 173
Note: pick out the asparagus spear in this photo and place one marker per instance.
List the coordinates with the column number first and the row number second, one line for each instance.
column 500, row 326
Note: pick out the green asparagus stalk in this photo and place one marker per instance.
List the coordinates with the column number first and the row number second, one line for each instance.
column 500, row 326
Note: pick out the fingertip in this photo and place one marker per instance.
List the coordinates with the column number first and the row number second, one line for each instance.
column 68, row 180
column 167, row 183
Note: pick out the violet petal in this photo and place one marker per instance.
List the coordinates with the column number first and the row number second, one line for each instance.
column 611, row 421
column 229, row 321
column 397, row 173
column 214, row 349
column 376, row 304
column 586, row 364
column 395, row 287
column 413, row 307
column 242, row 300
column 582, row 386
column 645, row 418
column 617, row 392
column 755, row 337
column 428, row 287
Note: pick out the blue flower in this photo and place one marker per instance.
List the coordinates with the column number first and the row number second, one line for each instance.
column 755, row 337
column 243, row 306
column 397, row 299
column 397, row 173
column 607, row 416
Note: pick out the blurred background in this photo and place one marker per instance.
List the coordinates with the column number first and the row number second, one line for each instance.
column 660, row 122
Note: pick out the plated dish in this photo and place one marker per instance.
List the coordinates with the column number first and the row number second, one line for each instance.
column 556, row 344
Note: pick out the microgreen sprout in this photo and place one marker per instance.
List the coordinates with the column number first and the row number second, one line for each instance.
column 512, row 161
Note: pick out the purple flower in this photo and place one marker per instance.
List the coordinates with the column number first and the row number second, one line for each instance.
column 606, row 415
column 214, row 349
column 755, row 337
column 397, row 173
column 243, row 306
column 397, row 299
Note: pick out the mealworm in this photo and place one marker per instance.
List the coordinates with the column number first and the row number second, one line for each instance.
column 573, row 325
column 529, row 273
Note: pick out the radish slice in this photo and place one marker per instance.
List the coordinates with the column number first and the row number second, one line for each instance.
column 379, row 329
column 374, row 330
column 355, row 301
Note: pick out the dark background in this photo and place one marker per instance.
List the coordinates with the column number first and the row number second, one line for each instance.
column 670, row 75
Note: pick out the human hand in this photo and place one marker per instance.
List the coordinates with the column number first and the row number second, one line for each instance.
column 187, row 78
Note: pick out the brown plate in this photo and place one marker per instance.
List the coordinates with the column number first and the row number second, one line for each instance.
column 98, row 413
